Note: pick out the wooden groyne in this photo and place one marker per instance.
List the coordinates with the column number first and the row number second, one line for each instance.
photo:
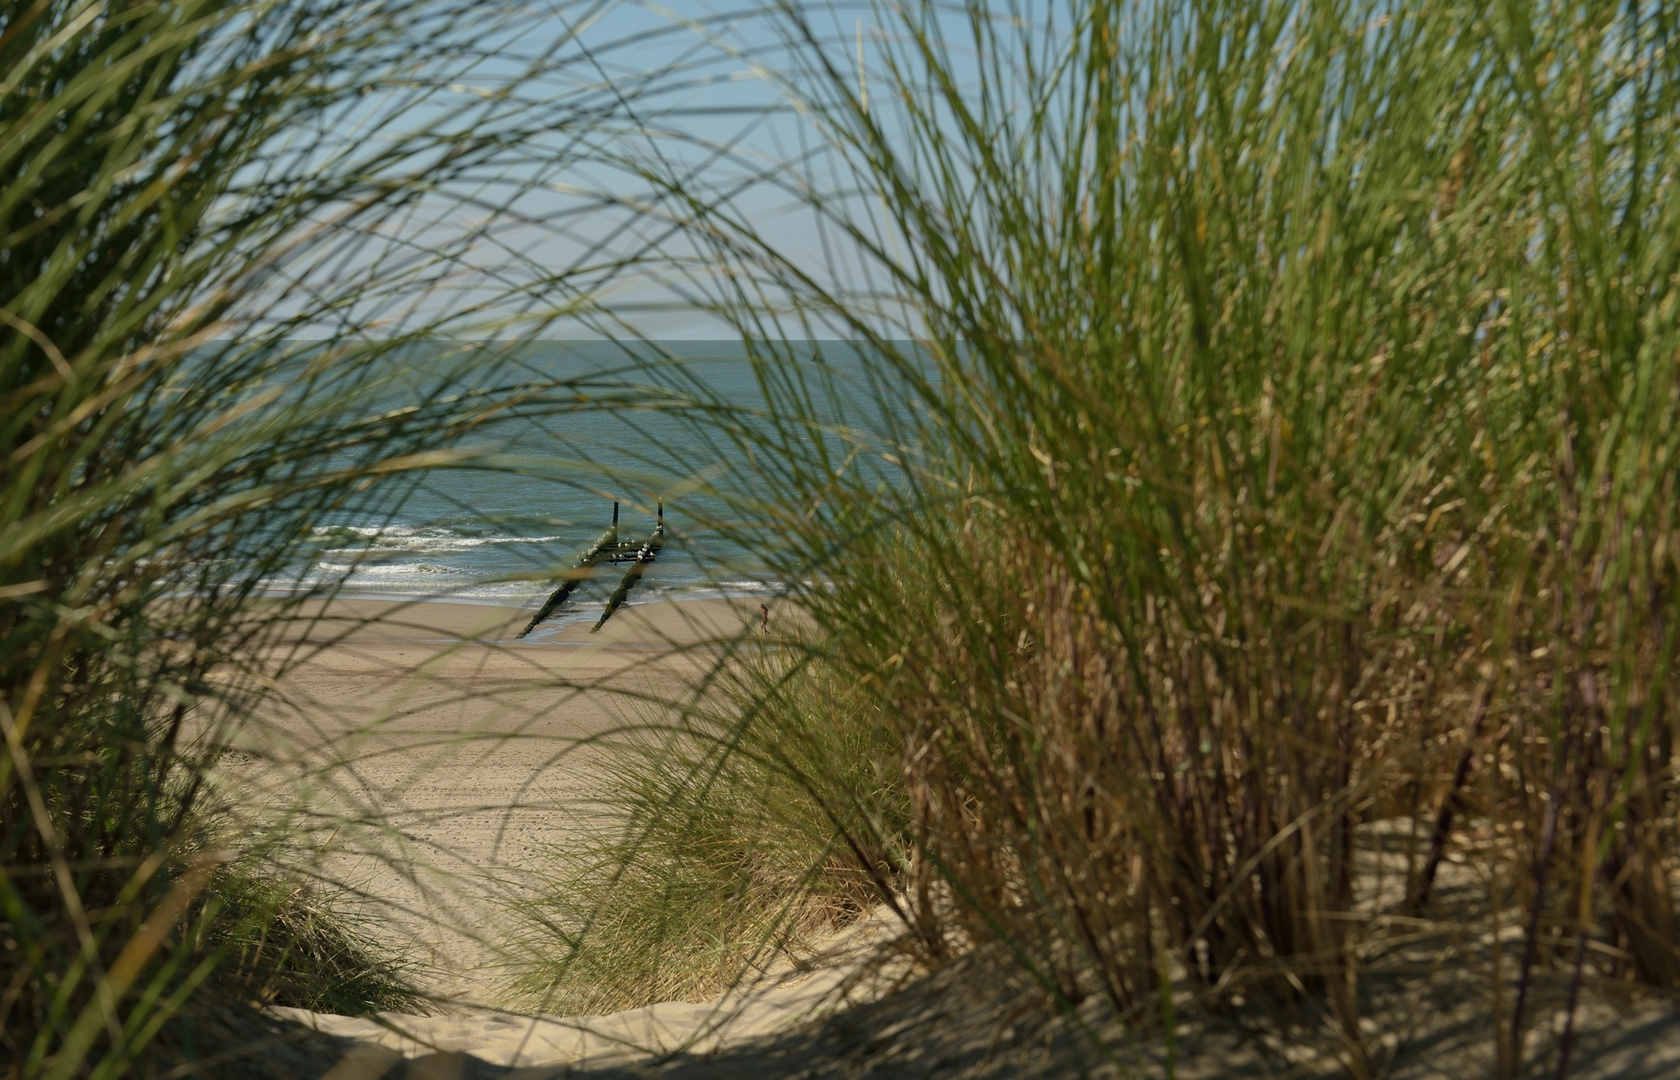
column 607, row 548
column 644, row 558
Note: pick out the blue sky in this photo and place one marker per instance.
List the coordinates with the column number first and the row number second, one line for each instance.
column 584, row 94
column 587, row 98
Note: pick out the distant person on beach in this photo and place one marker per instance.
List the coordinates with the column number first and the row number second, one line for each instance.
column 764, row 625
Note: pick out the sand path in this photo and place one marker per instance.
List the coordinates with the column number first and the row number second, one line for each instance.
column 435, row 758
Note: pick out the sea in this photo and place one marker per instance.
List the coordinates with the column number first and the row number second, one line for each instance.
column 501, row 534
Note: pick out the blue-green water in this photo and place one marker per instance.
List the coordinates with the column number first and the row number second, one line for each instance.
column 499, row 534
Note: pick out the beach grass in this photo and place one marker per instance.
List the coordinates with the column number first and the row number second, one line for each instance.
column 1270, row 451
column 218, row 335
column 300, row 943
column 1275, row 450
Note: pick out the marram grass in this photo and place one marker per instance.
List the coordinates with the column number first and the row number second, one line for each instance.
column 1286, row 459
column 218, row 328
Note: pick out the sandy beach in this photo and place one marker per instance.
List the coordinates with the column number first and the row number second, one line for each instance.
column 433, row 757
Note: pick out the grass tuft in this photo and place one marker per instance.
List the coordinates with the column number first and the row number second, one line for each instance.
column 707, row 857
column 301, row 944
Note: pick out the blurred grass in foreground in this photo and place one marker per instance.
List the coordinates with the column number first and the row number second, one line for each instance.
column 188, row 191
column 1290, row 449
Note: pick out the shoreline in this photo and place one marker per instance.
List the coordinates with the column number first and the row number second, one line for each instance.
column 647, row 593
